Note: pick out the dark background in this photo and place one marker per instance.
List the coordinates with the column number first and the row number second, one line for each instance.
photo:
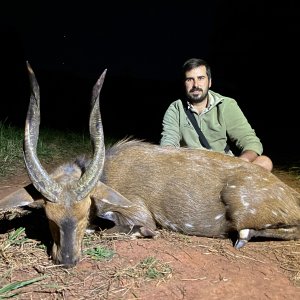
column 252, row 47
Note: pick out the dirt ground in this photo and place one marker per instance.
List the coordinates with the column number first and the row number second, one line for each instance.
column 189, row 267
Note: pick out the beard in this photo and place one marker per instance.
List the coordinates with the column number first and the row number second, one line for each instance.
column 196, row 98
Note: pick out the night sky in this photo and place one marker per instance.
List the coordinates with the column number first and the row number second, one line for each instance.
column 252, row 47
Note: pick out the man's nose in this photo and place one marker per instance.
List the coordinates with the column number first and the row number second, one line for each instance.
column 196, row 83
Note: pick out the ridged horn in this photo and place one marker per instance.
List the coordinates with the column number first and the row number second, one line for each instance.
column 37, row 174
column 89, row 179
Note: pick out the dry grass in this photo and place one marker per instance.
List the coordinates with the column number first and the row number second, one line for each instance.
column 25, row 259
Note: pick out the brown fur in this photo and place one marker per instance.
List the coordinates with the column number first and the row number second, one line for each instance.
column 198, row 191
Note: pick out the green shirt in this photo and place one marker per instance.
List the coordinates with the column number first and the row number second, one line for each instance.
column 221, row 120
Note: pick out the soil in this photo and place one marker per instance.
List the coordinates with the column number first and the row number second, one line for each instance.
column 191, row 267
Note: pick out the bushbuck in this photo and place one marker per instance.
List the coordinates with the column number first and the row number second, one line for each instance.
column 140, row 187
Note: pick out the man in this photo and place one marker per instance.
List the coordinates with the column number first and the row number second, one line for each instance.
column 219, row 118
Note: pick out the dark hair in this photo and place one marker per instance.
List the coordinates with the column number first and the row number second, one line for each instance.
column 193, row 63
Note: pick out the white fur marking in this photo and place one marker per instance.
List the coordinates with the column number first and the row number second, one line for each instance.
column 244, row 202
column 219, row 216
column 107, row 201
column 188, row 225
column 244, row 233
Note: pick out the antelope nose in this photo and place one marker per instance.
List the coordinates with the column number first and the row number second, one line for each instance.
column 69, row 261
column 68, row 266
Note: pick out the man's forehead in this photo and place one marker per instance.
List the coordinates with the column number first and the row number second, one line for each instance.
column 198, row 71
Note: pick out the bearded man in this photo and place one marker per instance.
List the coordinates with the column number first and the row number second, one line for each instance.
column 219, row 118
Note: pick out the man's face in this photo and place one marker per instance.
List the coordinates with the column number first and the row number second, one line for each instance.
column 197, row 84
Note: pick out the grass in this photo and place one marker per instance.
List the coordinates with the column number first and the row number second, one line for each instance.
column 148, row 269
column 14, row 238
column 14, row 242
column 5, row 291
column 105, row 273
column 53, row 146
column 100, row 253
column 10, row 148
column 153, row 268
column 103, row 279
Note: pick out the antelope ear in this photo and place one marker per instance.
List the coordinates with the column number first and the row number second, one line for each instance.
column 104, row 195
column 24, row 196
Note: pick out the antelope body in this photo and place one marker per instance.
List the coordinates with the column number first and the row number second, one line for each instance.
column 140, row 186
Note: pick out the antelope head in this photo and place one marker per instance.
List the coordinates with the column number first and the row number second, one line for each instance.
column 66, row 193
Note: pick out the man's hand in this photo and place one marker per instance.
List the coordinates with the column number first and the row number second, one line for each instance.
column 248, row 155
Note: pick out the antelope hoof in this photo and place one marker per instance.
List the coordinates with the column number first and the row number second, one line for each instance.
column 240, row 243
column 244, row 236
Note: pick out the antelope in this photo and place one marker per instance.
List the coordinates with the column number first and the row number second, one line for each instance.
column 142, row 187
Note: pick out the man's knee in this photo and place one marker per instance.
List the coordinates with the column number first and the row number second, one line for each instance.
column 265, row 162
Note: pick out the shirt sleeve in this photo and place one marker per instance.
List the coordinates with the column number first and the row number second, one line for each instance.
column 239, row 130
column 170, row 135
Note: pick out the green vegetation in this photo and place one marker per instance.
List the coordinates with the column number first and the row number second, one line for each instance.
column 154, row 268
column 100, row 253
column 10, row 148
column 149, row 268
column 5, row 291
column 15, row 238
column 54, row 146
